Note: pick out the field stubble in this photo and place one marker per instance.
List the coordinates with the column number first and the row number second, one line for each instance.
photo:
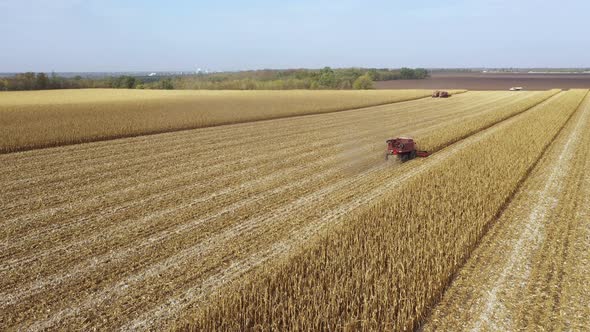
column 110, row 230
column 528, row 271
column 386, row 265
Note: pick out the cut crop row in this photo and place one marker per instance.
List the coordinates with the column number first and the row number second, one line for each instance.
column 531, row 268
column 385, row 266
column 134, row 226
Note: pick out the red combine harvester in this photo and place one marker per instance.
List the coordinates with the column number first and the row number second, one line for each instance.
column 440, row 94
column 404, row 148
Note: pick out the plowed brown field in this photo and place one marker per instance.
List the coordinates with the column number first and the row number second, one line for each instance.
column 492, row 81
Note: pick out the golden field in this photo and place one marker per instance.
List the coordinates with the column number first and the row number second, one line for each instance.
column 293, row 223
column 35, row 119
column 388, row 263
column 535, row 262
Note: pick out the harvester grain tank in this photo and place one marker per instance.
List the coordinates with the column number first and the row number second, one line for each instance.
column 404, row 148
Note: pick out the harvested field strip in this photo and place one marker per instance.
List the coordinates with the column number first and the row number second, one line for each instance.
column 530, row 269
column 339, row 281
column 88, row 262
column 36, row 119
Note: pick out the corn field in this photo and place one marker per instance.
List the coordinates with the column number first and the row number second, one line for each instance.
column 383, row 267
column 35, row 119
column 295, row 223
column 536, row 260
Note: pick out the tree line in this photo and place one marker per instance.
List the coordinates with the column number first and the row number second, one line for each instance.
column 42, row 81
column 325, row 78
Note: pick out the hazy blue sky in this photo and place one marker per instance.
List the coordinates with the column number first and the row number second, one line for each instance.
column 110, row 35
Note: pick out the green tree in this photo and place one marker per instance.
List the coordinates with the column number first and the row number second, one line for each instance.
column 374, row 74
column 406, row 73
column 363, row 82
column 345, row 85
column 249, row 84
column 26, row 81
column 420, row 73
column 114, row 82
column 54, row 81
column 41, row 81
column 128, row 82
column 166, row 84
column 327, row 78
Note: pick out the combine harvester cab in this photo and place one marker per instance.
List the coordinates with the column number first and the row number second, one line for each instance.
column 404, row 148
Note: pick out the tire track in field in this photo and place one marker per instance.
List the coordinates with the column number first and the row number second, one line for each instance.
column 516, row 270
column 144, row 221
column 163, row 178
column 141, row 245
column 36, row 237
column 573, row 306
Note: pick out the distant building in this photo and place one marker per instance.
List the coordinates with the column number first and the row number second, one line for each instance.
column 152, row 74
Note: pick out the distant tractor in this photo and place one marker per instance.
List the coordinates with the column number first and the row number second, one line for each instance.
column 404, row 148
column 516, row 88
column 440, row 94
